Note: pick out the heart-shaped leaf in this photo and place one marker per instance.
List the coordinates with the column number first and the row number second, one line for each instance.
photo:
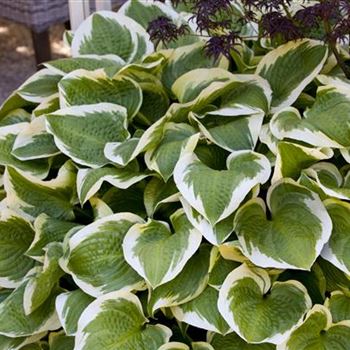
column 260, row 311
column 164, row 156
column 292, row 158
column 81, row 132
column 282, row 242
column 305, row 58
column 107, row 32
column 116, row 321
column 89, row 181
column 216, row 194
column 318, row 332
column 328, row 179
column 95, row 257
column 215, row 234
column 31, row 196
column 187, row 285
column 8, row 136
column 82, row 87
column 325, row 124
column 202, row 312
column 157, row 254
column 186, row 58
column 34, row 142
column 39, row 86
column 232, row 133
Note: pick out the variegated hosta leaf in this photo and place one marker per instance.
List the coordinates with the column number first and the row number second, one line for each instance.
column 8, row 134
column 292, row 158
column 250, row 94
column 325, row 124
column 261, row 311
column 122, row 153
column 174, row 346
column 319, row 332
column 100, row 208
column 336, row 249
column 189, row 85
column 16, row 116
column 339, row 306
column 16, row 234
column 201, row 345
column 291, row 67
column 217, row 193
column 15, row 323
column 187, row 285
column 106, row 32
column 39, row 86
column 14, row 101
column 47, row 230
column 45, row 279
column 329, row 180
column 164, row 156
column 157, row 254
column 158, row 192
column 186, row 58
column 70, row 306
column 8, row 343
column 155, row 101
column 81, row 132
column 31, row 196
column 232, row 133
column 281, row 241
column 82, row 87
column 232, row 251
column 232, row 341
column 64, row 66
column 144, row 12
column 34, row 142
column 219, row 269
column 48, row 105
column 266, row 137
column 89, row 181
column 202, row 312
column 116, row 321
column 215, row 234
column 95, row 258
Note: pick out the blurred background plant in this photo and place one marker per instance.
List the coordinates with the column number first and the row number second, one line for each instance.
column 278, row 21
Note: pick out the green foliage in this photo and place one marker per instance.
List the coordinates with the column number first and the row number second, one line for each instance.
column 157, row 199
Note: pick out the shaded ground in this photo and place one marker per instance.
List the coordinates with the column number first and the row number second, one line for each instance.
column 17, row 56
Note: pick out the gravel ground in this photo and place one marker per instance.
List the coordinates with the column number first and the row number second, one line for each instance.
column 17, row 56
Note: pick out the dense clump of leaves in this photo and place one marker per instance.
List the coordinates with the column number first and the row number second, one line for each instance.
column 161, row 198
column 280, row 20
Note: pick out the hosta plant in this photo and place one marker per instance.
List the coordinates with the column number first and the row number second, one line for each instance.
column 157, row 198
